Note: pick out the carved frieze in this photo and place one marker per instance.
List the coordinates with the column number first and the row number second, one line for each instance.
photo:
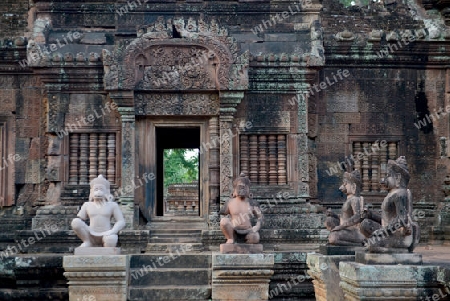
column 203, row 57
column 176, row 104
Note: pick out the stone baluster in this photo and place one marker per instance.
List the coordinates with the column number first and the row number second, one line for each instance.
column 244, row 149
column 93, row 156
column 111, row 159
column 357, row 148
column 392, row 148
column 84, row 159
column 262, row 146
column 375, row 167
column 253, row 152
column 282, row 174
column 273, row 176
column 383, row 166
column 102, row 155
column 365, row 170
column 73, row 159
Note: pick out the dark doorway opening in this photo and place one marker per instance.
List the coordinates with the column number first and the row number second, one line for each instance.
column 166, row 139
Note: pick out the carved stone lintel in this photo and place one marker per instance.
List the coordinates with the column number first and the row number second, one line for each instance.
column 204, row 58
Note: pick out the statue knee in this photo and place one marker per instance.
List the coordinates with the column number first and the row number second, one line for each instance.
column 331, row 222
column 252, row 238
column 333, row 239
column 110, row 240
column 225, row 222
column 77, row 224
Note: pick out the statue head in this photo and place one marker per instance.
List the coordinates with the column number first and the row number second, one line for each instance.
column 100, row 190
column 241, row 186
column 397, row 173
column 351, row 184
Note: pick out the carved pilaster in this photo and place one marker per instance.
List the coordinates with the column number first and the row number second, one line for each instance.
column 128, row 151
column 128, row 164
column 226, row 156
column 214, row 166
column 228, row 103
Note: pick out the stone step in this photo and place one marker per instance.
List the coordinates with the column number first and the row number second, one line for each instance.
column 164, row 276
column 182, row 261
column 178, row 223
column 179, row 239
column 177, row 232
column 173, row 247
column 170, row 293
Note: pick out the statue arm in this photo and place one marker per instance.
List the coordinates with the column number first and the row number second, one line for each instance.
column 401, row 217
column 331, row 214
column 259, row 216
column 83, row 212
column 224, row 210
column 120, row 221
column 357, row 205
column 356, row 217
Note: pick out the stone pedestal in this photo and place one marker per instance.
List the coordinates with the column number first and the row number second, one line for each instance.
column 97, row 277
column 241, row 276
column 388, row 277
column 324, row 269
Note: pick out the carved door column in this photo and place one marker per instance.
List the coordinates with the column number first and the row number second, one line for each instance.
column 125, row 101
column 228, row 103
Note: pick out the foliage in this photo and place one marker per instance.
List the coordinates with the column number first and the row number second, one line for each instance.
column 348, row 3
column 179, row 166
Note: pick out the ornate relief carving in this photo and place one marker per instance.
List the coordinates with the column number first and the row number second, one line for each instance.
column 205, row 57
column 176, row 104
column 226, row 158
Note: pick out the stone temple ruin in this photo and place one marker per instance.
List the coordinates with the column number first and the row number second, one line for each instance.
column 290, row 93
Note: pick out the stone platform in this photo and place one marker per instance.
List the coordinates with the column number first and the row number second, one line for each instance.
column 377, row 276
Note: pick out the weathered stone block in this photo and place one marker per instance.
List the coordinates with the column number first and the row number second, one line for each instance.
column 324, row 269
column 54, row 172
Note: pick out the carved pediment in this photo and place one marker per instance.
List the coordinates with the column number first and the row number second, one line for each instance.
column 172, row 55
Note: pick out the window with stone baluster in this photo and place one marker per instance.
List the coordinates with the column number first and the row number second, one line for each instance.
column 370, row 158
column 263, row 158
column 92, row 154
